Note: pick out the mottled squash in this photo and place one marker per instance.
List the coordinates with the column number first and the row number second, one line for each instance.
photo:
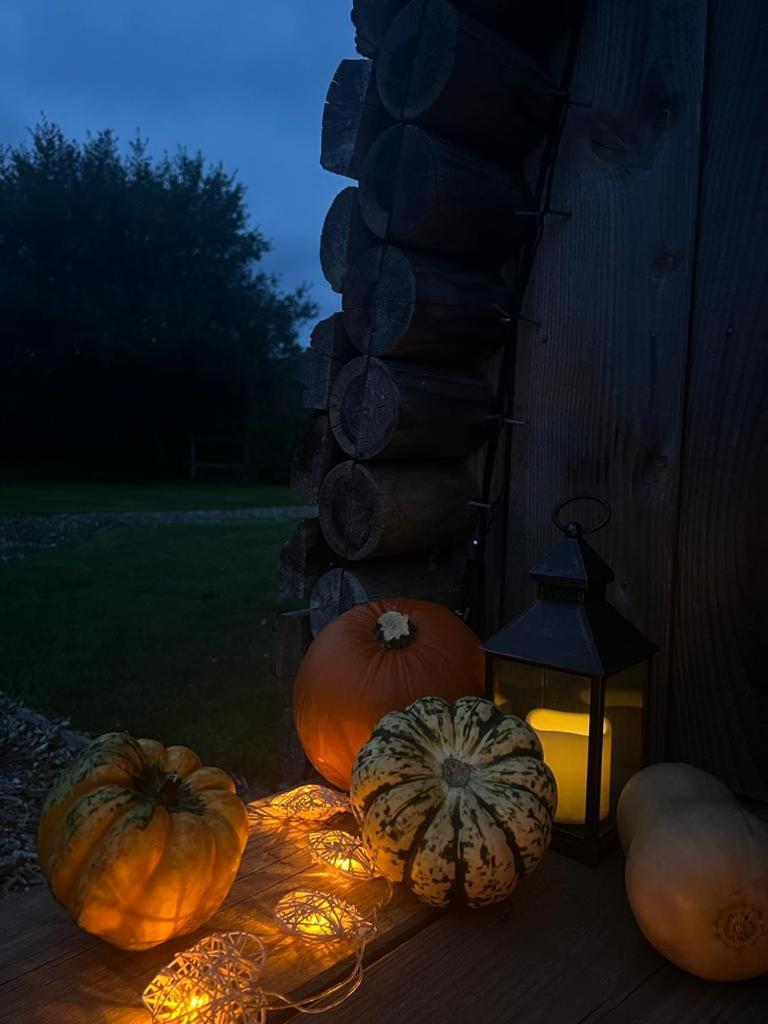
column 454, row 800
column 139, row 842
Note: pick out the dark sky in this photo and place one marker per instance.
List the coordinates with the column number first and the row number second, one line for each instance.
column 242, row 80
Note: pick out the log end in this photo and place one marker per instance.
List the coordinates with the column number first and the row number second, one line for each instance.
column 349, row 505
column 379, row 299
column 364, row 408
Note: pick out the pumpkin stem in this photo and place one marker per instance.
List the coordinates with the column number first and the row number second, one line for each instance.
column 394, row 629
column 168, row 791
column 455, row 772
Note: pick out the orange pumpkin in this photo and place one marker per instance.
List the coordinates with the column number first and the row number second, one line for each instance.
column 140, row 842
column 373, row 659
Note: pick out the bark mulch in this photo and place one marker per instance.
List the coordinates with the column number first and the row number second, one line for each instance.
column 33, row 752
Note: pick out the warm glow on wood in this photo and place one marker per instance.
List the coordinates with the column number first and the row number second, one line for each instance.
column 341, row 852
column 316, row 915
column 564, row 737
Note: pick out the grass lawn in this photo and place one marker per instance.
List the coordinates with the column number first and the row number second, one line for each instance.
column 36, row 498
column 162, row 631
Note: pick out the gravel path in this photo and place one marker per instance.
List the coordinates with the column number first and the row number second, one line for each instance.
column 23, row 535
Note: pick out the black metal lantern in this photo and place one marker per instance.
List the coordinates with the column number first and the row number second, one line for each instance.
column 577, row 671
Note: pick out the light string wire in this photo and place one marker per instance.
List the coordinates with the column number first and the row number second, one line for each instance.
column 216, row 981
column 335, row 995
column 477, row 569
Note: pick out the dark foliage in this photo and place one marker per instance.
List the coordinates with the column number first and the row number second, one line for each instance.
column 133, row 313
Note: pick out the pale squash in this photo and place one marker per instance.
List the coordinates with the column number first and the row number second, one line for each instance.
column 696, row 872
column 139, row 842
column 659, row 787
column 454, row 800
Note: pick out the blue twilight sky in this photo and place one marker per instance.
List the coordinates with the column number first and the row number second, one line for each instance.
column 242, row 80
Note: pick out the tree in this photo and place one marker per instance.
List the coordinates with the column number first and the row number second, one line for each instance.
column 134, row 312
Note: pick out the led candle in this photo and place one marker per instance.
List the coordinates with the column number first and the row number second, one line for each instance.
column 564, row 736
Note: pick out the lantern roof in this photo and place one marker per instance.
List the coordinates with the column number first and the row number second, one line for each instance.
column 571, row 627
column 586, row 638
column 573, row 563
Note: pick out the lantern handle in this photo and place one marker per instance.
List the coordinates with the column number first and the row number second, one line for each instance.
column 575, row 529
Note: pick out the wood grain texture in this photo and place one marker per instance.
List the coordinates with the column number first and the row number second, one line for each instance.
column 672, row 995
column 380, row 509
column 563, row 944
column 316, row 452
column 412, row 306
column 51, row 972
column 328, row 350
column 344, row 237
column 443, row 70
column 352, row 118
column 600, row 379
column 292, row 638
column 562, row 950
column 718, row 664
column 425, row 193
column 391, row 410
column 434, row 577
column 371, row 19
column 302, row 558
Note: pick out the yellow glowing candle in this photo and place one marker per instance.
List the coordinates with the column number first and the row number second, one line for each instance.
column 564, row 736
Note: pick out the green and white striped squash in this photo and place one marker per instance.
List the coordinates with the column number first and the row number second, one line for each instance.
column 454, row 800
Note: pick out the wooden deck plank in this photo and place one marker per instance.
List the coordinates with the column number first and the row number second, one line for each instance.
column 563, row 950
column 563, row 945
column 50, row 971
column 672, row 995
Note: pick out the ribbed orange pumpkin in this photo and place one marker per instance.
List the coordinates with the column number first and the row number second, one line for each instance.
column 373, row 659
column 139, row 842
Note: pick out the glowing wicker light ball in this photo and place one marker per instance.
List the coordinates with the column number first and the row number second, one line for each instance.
column 213, row 982
column 316, row 915
column 342, row 852
column 308, row 803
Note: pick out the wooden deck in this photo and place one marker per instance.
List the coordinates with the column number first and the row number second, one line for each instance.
column 563, row 950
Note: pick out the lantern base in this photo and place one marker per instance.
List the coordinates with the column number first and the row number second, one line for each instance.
column 590, row 850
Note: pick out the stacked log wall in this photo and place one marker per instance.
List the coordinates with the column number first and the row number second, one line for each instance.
column 402, row 383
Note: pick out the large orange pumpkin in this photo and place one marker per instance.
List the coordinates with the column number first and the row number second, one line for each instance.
column 140, row 842
column 373, row 659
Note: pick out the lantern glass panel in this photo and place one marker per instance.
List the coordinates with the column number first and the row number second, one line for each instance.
column 553, row 703
column 625, row 695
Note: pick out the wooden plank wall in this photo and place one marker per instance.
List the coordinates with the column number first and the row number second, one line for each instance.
column 644, row 378
column 719, row 657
